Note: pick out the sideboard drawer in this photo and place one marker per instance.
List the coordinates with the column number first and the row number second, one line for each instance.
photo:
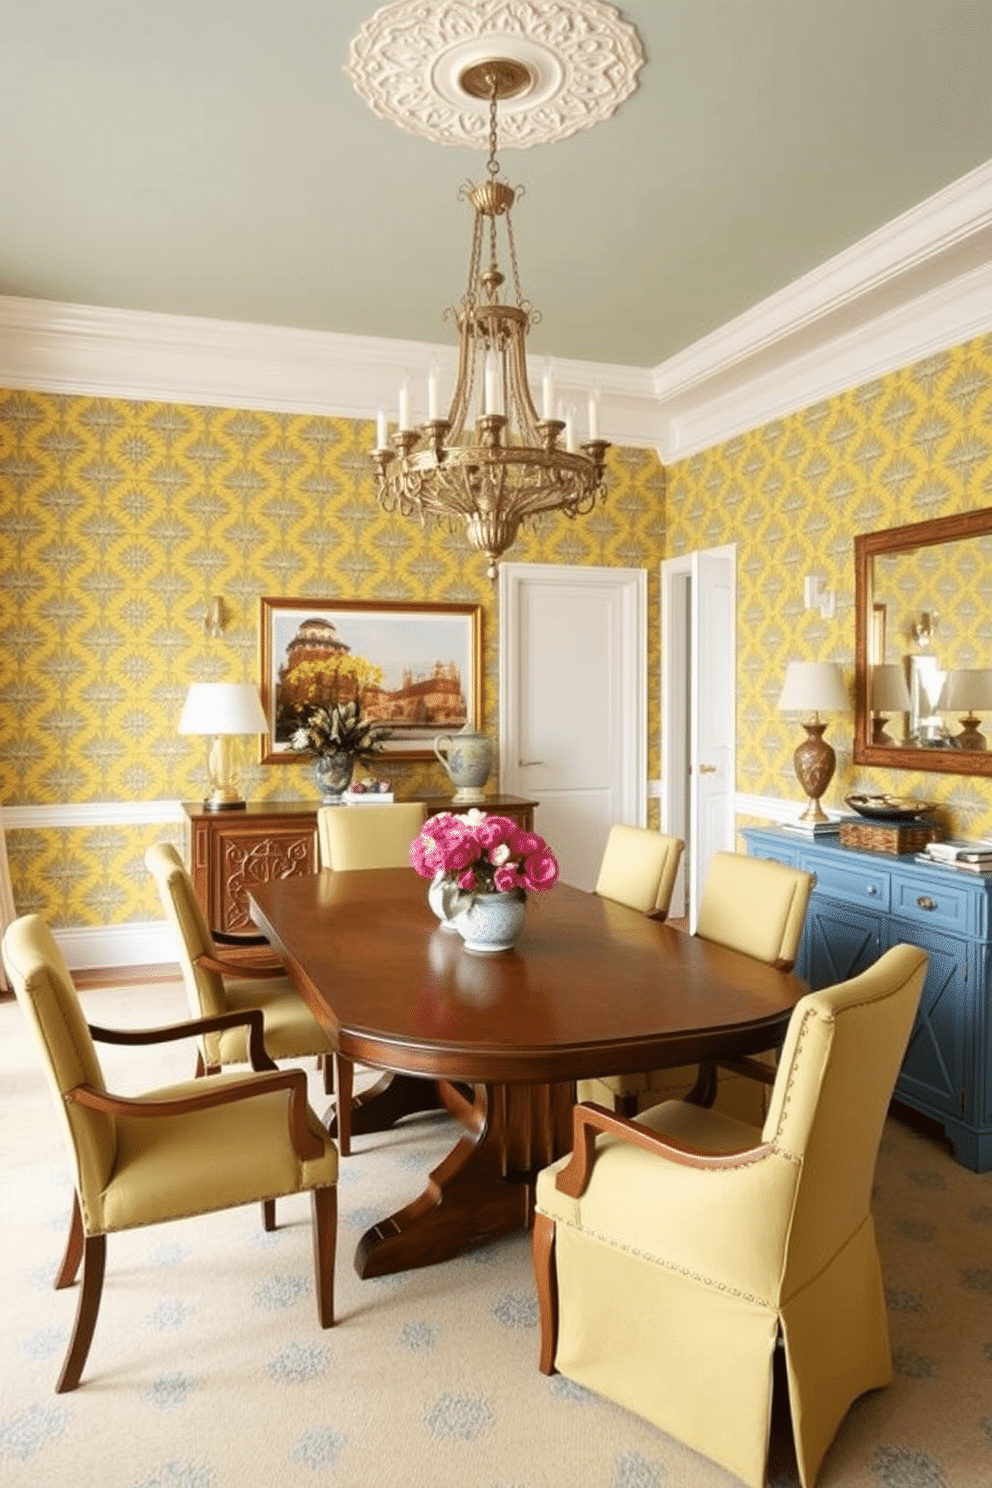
column 929, row 903
column 854, row 883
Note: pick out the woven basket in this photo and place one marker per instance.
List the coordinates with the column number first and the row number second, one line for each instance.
column 889, row 837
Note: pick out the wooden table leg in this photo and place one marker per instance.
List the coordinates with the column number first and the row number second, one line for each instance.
column 385, row 1102
column 484, row 1187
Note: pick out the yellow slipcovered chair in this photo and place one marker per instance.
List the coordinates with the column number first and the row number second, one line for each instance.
column 356, row 837
column 209, row 1143
column 674, row 1252
column 368, row 836
column 752, row 905
column 638, row 869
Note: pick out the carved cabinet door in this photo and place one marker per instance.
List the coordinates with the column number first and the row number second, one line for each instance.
column 230, row 853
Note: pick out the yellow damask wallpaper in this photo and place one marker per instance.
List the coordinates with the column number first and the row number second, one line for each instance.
column 120, row 520
column 792, row 495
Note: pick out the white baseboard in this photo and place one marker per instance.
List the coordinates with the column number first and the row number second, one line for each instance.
column 145, row 943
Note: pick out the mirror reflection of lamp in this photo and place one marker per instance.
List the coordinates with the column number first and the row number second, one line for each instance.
column 220, row 711
column 812, row 688
column 889, row 694
column 968, row 692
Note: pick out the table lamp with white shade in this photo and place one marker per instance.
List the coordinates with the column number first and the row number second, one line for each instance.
column 889, row 694
column 968, row 692
column 812, row 688
column 221, row 711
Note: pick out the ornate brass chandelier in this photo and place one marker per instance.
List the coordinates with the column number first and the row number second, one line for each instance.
column 493, row 463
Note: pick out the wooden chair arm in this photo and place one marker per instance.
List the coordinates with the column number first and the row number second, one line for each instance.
column 588, row 1119
column 193, row 1028
column 305, row 1141
column 245, row 969
column 224, row 937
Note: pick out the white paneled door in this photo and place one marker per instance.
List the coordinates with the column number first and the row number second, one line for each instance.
column 573, row 703
column 698, row 720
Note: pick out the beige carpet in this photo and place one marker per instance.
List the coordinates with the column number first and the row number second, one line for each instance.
column 208, row 1369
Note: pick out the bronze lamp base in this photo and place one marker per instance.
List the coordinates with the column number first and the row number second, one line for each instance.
column 815, row 763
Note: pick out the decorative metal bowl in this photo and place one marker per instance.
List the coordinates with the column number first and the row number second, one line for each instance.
column 889, row 808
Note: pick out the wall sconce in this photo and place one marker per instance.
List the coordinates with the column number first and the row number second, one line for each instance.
column 924, row 629
column 819, row 598
column 215, row 618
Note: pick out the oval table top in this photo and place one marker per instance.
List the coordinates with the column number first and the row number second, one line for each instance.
column 592, row 988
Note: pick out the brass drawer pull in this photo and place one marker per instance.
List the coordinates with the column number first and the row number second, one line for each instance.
column 925, row 902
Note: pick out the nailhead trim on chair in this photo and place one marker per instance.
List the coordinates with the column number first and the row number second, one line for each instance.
column 685, row 1271
column 800, row 1038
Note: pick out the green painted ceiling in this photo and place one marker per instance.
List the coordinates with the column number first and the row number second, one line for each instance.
column 211, row 157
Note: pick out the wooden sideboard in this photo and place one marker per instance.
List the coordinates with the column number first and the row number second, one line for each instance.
column 863, row 903
column 228, row 852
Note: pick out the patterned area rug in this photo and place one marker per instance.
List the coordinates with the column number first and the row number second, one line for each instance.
column 208, row 1369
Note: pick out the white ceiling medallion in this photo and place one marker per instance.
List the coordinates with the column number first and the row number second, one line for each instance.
column 408, row 60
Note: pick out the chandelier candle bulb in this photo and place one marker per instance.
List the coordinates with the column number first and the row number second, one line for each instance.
column 404, row 408
column 548, row 396
column 593, row 417
column 433, row 403
column 381, row 431
column 492, row 404
column 569, row 433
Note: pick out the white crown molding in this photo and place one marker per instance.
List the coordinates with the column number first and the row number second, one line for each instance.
column 92, row 351
column 918, row 285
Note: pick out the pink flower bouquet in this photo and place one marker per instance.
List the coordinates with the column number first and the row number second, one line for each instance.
column 481, row 854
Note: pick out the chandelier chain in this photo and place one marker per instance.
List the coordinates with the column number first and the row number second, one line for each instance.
column 493, row 166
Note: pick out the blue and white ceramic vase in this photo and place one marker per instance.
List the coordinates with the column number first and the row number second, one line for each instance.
column 493, row 922
column 333, row 774
column 468, row 759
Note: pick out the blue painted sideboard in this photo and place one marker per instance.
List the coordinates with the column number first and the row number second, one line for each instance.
column 865, row 902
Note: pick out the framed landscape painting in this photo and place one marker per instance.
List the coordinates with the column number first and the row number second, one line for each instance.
column 415, row 668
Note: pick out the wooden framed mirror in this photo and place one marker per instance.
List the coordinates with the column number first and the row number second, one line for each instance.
column 923, row 645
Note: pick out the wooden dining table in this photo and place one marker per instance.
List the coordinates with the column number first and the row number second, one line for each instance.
column 592, row 988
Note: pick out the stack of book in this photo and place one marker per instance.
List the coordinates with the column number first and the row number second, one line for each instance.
column 969, row 857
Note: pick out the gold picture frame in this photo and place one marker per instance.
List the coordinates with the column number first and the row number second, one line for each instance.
column 420, row 667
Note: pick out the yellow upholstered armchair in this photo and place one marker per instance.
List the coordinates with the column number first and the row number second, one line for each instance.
column 638, row 868
column 751, row 905
column 206, row 1144
column 673, row 1252
column 368, row 836
column 215, row 984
